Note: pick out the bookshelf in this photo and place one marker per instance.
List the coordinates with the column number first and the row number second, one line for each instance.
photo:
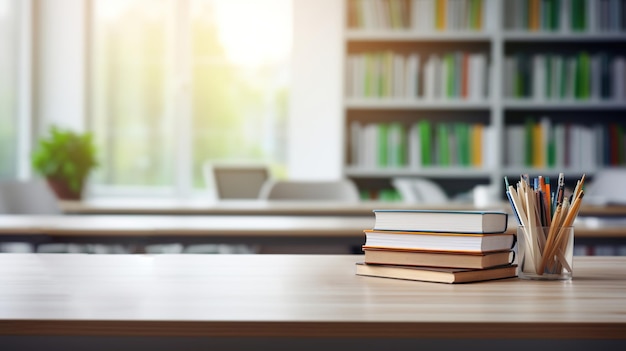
column 381, row 38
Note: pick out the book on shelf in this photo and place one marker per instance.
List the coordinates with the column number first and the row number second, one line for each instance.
column 437, row 258
column 479, row 222
column 443, row 76
column 438, row 241
column 565, row 15
column 542, row 143
column 558, row 77
column 434, row 274
column 420, row 144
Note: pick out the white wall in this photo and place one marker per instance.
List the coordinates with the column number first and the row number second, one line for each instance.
column 60, row 61
column 316, row 128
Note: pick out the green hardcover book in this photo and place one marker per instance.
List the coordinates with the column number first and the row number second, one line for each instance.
column 425, row 140
column 463, row 143
column 383, row 145
column 450, row 84
column 585, row 67
column 555, row 11
column 475, row 14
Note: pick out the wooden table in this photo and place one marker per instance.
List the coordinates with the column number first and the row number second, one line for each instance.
column 294, row 296
column 148, row 229
column 245, row 207
column 280, row 208
column 228, row 228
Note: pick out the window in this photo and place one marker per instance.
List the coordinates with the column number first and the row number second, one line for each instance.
column 8, row 88
column 177, row 83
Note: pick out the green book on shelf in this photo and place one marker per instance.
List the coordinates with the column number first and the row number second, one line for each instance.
column 585, row 76
column 383, row 145
column 555, row 10
column 463, row 144
column 451, row 81
column 425, row 140
column 397, row 145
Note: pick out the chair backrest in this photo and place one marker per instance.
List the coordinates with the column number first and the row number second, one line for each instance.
column 341, row 190
column 236, row 181
column 27, row 197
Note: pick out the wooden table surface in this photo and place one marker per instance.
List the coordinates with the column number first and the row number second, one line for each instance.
column 295, row 296
column 217, row 226
column 261, row 207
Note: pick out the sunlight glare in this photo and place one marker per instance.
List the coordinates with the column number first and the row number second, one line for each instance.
column 4, row 8
column 254, row 32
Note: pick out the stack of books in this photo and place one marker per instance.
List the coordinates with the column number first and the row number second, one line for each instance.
column 439, row 246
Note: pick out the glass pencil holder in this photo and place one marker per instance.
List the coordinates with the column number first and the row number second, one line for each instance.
column 545, row 253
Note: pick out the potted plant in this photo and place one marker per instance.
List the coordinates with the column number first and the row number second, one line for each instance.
column 65, row 158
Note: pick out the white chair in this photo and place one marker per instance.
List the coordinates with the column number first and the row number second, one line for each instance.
column 235, row 181
column 607, row 187
column 419, row 190
column 341, row 190
column 28, row 197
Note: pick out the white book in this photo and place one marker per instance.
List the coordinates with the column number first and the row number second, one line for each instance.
column 514, row 145
column 367, row 6
column 416, row 7
column 370, row 142
column 432, row 77
column 443, row 81
column 356, row 147
column 571, row 77
column 399, row 76
column 429, row 15
column 565, row 16
column 489, row 142
column 415, row 148
column 559, row 146
column 539, row 77
column 509, row 74
column 349, row 87
column 595, row 77
column 588, row 148
column 461, row 15
column 411, row 89
column 481, row 76
column 381, row 14
column 592, row 17
column 574, row 146
column 558, row 76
